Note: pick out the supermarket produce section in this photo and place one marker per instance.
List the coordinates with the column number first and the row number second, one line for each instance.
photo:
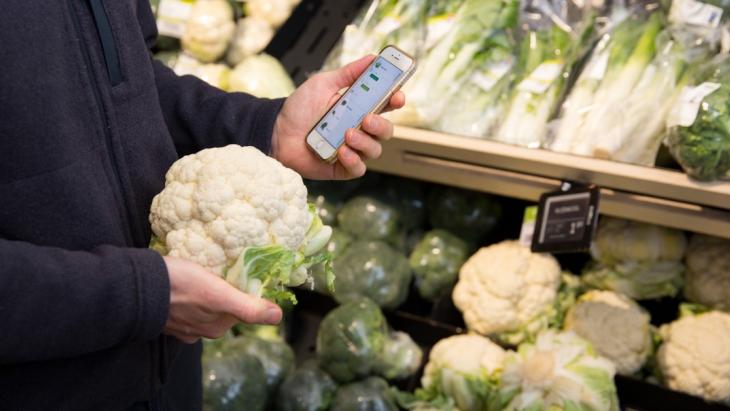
column 437, row 304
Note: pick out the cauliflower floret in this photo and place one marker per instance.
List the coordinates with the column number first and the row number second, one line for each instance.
column 617, row 327
column 695, row 355
column 252, row 36
column 209, row 30
column 275, row 12
column 220, row 201
column 503, row 287
column 708, row 272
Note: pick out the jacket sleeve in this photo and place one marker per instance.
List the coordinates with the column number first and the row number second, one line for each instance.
column 199, row 115
column 56, row 303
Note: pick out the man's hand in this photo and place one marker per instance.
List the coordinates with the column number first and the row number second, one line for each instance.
column 308, row 104
column 204, row 305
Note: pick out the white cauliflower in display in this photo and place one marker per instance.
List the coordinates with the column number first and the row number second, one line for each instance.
column 695, row 355
column 275, row 12
column 560, row 371
column 242, row 215
column 617, row 327
column 261, row 76
column 251, row 37
column 508, row 292
column 642, row 261
column 708, row 272
column 462, row 370
column 209, row 30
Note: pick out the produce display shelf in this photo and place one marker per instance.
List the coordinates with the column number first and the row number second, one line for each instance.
column 653, row 195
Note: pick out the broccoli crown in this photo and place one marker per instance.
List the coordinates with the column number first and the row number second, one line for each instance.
column 306, row 389
column 371, row 394
column 375, row 270
column 467, row 213
column 233, row 381
column 350, row 339
column 435, row 261
column 369, row 218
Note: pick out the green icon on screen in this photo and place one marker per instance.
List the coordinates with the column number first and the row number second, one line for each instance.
column 377, row 64
column 374, row 77
column 323, row 125
column 364, row 87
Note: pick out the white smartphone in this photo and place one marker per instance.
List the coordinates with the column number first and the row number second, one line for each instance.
column 370, row 93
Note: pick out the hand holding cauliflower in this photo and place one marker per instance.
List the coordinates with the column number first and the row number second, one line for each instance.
column 243, row 216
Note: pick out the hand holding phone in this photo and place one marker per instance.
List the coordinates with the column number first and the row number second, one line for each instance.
column 370, row 93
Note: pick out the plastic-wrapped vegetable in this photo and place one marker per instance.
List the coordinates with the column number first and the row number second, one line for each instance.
column 409, row 196
column 370, row 394
column 275, row 355
column 375, row 270
column 638, row 280
column 470, row 214
column 449, row 64
column 262, row 76
column 699, row 138
column 326, row 209
column 368, row 218
column 306, row 389
column 209, row 30
column 251, row 37
column 560, row 371
column 435, row 262
column 708, row 272
column 624, row 240
column 353, row 341
column 232, row 382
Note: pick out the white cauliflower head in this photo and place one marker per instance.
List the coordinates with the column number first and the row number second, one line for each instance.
column 252, row 36
column 459, row 364
column 209, row 30
column 275, row 12
column 695, row 355
column 623, row 240
column 262, row 76
column 504, row 287
column 221, row 200
column 617, row 327
column 707, row 279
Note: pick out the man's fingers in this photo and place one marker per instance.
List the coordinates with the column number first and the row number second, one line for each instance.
column 377, row 126
column 398, row 100
column 346, row 75
column 351, row 164
column 363, row 143
column 253, row 310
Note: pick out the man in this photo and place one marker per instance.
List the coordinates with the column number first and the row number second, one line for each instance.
column 89, row 123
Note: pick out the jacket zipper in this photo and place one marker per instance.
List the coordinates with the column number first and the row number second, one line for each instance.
column 108, row 44
column 117, row 183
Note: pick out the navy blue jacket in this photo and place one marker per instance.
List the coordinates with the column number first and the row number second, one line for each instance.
column 89, row 124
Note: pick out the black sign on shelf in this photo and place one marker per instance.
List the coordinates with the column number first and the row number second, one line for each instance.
column 566, row 219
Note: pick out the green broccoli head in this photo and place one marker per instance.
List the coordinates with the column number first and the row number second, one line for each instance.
column 306, row 389
column 375, row 270
column 233, row 381
column 368, row 218
column 350, row 339
column 436, row 261
column 401, row 357
column 468, row 213
column 275, row 355
column 371, row 394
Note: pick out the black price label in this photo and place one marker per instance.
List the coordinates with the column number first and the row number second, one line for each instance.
column 566, row 219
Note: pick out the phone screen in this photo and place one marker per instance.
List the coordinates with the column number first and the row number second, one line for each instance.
column 359, row 100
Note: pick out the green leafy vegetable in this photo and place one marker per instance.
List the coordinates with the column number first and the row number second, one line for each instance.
column 375, row 270
column 370, row 394
column 470, row 214
column 435, row 261
column 308, row 388
column 368, row 218
column 233, row 381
